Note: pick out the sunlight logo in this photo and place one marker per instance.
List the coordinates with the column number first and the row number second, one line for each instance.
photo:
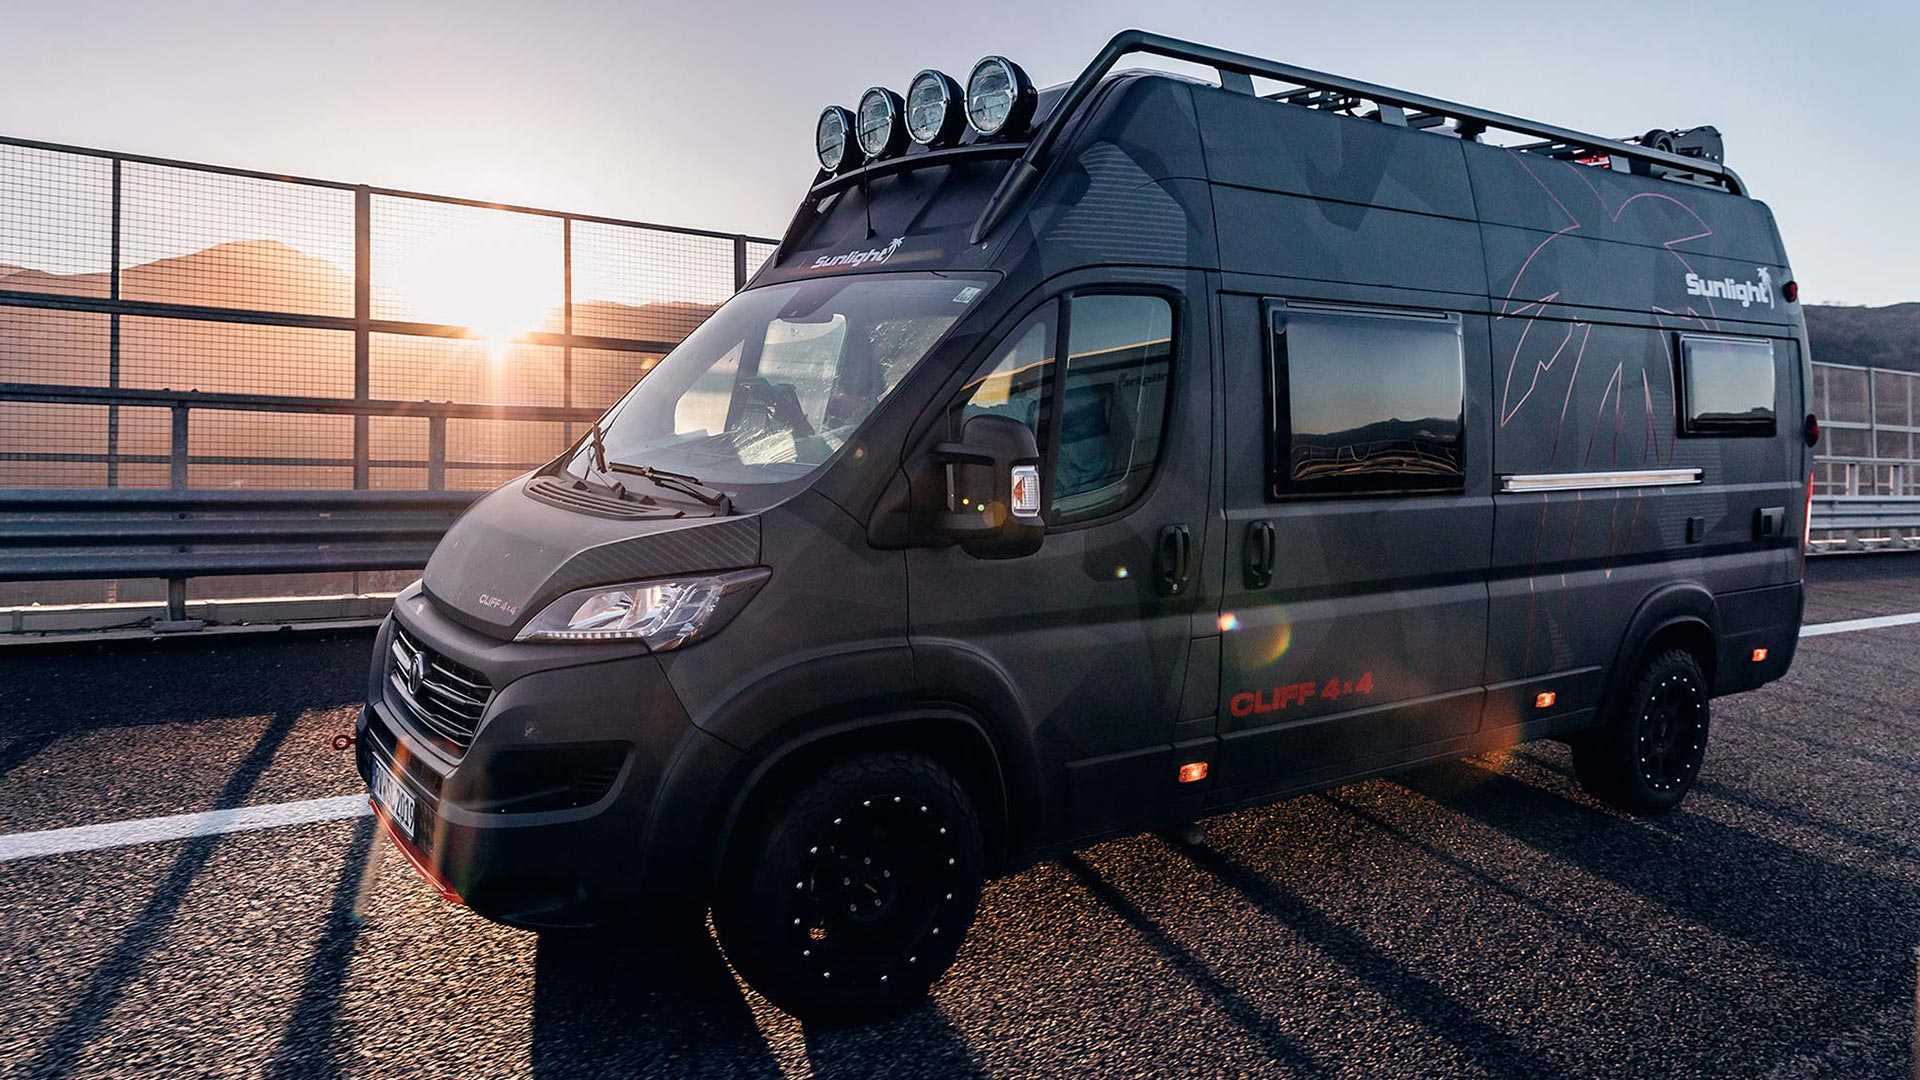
column 1747, row 292
column 851, row 259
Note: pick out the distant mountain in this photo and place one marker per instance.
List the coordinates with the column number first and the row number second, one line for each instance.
column 1887, row 337
column 266, row 275
column 52, row 346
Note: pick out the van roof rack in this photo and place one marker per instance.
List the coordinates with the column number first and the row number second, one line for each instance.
column 1694, row 155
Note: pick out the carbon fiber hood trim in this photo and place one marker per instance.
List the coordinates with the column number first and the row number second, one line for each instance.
column 511, row 555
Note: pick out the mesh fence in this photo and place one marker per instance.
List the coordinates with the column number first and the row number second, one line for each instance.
column 215, row 240
column 166, row 324
column 1870, row 431
column 56, row 222
column 646, row 284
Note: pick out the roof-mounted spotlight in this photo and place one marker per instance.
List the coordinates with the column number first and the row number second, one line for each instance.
column 833, row 141
column 881, row 123
column 936, row 113
column 1000, row 97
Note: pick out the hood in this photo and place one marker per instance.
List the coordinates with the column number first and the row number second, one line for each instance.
column 511, row 555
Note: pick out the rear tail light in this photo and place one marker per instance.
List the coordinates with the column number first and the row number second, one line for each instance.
column 1806, row 526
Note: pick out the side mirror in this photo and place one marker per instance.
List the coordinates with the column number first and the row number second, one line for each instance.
column 991, row 505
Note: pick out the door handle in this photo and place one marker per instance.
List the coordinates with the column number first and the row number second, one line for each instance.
column 1172, row 556
column 1769, row 522
column 1257, row 557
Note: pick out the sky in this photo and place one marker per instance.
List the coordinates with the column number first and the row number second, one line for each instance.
column 702, row 114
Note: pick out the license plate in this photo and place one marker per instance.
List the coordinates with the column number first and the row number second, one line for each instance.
column 394, row 798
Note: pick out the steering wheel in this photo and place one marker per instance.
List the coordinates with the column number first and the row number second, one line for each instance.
column 767, row 406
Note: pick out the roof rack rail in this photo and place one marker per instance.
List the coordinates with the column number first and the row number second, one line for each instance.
column 1679, row 154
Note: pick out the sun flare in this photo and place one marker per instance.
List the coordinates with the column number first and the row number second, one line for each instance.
column 494, row 278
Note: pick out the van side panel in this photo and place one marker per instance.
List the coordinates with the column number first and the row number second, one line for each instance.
column 1594, row 276
column 1306, row 194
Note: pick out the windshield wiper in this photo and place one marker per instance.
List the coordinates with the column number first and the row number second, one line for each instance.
column 691, row 486
column 599, row 443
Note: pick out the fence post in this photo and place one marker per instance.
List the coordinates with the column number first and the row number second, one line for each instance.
column 566, row 323
column 113, row 329
column 362, row 327
column 177, row 449
column 739, row 263
column 437, row 452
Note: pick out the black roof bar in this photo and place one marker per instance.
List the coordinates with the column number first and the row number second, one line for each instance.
column 1469, row 121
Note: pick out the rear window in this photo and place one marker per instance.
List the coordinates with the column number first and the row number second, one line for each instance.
column 1726, row 386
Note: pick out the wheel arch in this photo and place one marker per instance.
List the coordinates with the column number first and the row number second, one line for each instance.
column 1678, row 615
column 949, row 734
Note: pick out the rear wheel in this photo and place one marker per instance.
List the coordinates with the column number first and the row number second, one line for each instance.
column 1647, row 755
column 849, row 901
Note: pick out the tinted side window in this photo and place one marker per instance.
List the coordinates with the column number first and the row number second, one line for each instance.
column 1114, row 408
column 1726, row 386
column 1365, row 401
column 1013, row 382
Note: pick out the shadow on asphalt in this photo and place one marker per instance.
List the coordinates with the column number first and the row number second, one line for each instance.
column 309, row 1045
column 1815, row 917
column 611, row 1005
column 54, row 690
column 108, row 983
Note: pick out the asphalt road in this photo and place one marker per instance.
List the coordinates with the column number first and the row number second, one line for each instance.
column 1477, row 918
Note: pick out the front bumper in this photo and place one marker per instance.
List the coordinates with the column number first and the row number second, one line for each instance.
column 511, row 827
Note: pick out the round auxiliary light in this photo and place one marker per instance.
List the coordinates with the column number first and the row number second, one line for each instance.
column 935, row 115
column 1000, row 97
column 881, row 123
column 833, row 140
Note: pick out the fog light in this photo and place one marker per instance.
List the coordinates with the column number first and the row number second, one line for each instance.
column 881, row 129
column 1000, row 97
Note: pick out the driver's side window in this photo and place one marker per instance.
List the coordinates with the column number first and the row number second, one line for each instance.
column 1013, row 381
column 1116, row 378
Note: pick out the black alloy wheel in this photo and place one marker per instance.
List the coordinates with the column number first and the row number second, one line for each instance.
column 1650, row 745
column 849, row 901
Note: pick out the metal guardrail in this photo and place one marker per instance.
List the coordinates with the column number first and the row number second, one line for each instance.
column 1855, row 514
column 75, row 535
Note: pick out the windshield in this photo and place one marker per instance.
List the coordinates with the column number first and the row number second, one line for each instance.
column 780, row 377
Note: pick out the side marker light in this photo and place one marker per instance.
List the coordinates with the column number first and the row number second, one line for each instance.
column 1193, row 772
column 1545, row 699
column 1759, row 656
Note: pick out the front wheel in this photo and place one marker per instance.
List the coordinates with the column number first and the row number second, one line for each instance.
column 1647, row 754
column 850, row 900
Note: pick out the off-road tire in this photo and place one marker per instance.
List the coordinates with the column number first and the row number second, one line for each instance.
column 846, row 899
column 1648, row 751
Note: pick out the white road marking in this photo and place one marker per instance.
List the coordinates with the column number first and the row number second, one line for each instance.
column 180, row 827
column 249, row 818
column 1850, row 625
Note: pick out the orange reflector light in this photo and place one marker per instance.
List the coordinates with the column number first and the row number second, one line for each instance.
column 1545, row 699
column 1193, row 771
column 1759, row 655
column 1228, row 622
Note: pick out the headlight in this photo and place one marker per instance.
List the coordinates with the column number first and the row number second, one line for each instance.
column 882, row 128
column 934, row 114
column 665, row 614
column 833, row 140
column 1000, row 97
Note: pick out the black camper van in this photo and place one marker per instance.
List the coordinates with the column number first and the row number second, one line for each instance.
column 1094, row 459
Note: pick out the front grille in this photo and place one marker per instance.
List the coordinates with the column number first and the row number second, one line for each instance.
column 452, row 697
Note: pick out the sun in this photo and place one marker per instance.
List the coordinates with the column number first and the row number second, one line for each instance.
column 493, row 277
